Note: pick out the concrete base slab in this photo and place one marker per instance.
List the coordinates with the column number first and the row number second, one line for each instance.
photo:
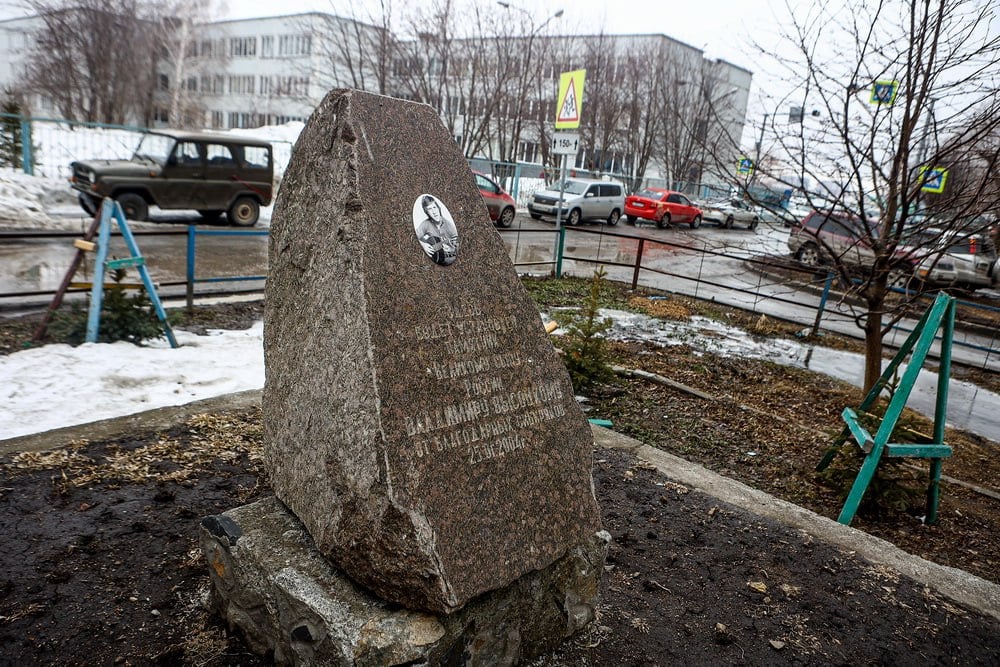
column 291, row 602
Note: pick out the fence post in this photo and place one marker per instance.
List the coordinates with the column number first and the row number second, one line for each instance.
column 822, row 303
column 189, row 284
column 515, row 187
column 26, row 157
column 559, row 251
column 638, row 263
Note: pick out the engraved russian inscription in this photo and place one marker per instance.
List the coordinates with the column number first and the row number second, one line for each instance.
column 486, row 419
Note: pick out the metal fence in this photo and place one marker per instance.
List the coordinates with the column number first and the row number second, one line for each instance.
column 634, row 259
column 792, row 293
column 186, row 288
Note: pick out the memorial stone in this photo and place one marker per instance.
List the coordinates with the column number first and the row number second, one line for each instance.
column 418, row 421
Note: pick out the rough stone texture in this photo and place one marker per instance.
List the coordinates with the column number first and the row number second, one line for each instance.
column 417, row 418
column 271, row 583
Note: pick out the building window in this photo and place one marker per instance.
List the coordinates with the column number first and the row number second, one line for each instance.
column 241, row 85
column 527, row 151
column 294, row 45
column 211, row 48
column 211, row 85
column 216, row 120
column 242, row 47
column 284, row 86
column 407, row 66
column 161, row 116
column 163, row 82
column 267, row 46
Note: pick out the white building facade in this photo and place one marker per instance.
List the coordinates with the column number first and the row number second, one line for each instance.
column 269, row 71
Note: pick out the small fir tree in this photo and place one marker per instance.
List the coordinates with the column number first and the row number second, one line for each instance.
column 586, row 355
column 123, row 317
column 11, row 141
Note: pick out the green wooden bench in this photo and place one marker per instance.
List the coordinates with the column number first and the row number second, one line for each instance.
column 940, row 316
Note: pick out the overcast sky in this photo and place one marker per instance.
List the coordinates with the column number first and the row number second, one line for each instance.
column 723, row 29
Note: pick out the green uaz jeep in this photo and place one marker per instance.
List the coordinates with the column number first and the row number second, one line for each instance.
column 211, row 173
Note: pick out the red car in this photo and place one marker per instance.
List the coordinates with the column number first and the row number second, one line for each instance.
column 664, row 207
column 500, row 204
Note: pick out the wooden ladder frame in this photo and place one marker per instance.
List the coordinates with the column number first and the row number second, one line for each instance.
column 112, row 210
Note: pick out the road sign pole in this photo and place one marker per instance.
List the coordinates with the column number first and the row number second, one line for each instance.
column 557, row 251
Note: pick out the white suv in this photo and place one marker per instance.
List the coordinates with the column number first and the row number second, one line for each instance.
column 583, row 199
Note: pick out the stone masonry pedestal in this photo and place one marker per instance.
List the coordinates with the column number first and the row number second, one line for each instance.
column 272, row 584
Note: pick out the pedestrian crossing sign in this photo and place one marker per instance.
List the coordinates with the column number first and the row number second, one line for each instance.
column 933, row 179
column 744, row 165
column 569, row 104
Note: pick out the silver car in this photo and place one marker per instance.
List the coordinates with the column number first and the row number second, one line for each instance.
column 730, row 211
column 583, row 199
column 960, row 259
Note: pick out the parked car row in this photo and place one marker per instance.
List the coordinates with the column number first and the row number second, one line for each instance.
column 664, row 207
column 935, row 257
column 731, row 211
column 582, row 199
column 588, row 199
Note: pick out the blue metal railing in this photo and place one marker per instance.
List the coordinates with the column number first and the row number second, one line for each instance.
column 633, row 262
column 192, row 242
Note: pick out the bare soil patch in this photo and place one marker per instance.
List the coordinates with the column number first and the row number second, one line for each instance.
column 100, row 566
column 99, row 563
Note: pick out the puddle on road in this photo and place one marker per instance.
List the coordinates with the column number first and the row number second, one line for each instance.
column 969, row 407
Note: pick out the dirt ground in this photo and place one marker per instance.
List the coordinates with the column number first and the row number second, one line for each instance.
column 99, row 562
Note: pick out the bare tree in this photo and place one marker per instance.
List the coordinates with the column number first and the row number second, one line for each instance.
column 178, row 33
column 94, row 59
column 604, row 115
column 642, row 84
column 897, row 86
column 687, row 96
column 462, row 65
column 360, row 48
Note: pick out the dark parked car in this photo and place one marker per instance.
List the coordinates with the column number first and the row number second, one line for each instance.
column 210, row 173
column 825, row 235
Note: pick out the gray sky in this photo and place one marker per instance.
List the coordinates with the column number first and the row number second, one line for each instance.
column 725, row 29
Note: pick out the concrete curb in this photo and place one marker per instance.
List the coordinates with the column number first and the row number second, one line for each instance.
column 958, row 585
column 159, row 418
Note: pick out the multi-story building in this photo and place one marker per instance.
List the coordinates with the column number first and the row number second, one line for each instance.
column 653, row 105
column 266, row 71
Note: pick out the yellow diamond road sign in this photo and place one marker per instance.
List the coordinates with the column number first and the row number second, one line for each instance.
column 570, row 100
